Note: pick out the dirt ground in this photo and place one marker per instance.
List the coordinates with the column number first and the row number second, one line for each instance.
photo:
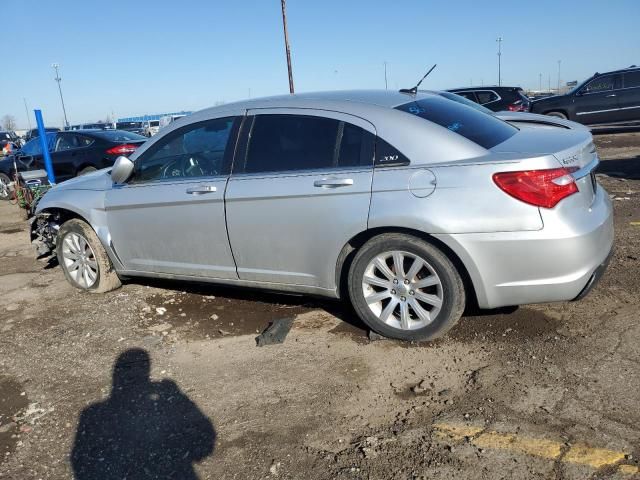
column 541, row 391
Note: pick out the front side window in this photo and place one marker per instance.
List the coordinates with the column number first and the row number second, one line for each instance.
column 301, row 142
column 196, row 150
column 32, row 147
column 486, row 97
column 482, row 129
column 600, row 84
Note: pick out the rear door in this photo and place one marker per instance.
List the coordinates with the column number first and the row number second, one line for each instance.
column 300, row 190
column 68, row 153
column 597, row 102
column 169, row 218
column 629, row 97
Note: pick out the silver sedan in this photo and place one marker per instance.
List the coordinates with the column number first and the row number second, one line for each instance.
column 411, row 206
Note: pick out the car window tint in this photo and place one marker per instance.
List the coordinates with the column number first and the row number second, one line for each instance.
column 291, row 142
column 193, row 151
column 69, row 142
column 388, row 155
column 481, row 128
column 632, row 79
column 356, row 146
column 468, row 95
column 600, row 84
column 486, row 97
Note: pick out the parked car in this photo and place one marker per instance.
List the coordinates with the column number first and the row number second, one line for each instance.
column 34, row 133
column 408, row 205
column 135, row 127
column 604, row 99
column 518, row 119
column 167, row 119
column 72, row 154
column 151, row 127
column 90, row 126
column 496, row 98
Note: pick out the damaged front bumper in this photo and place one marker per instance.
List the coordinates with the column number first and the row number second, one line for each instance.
column 44, row 233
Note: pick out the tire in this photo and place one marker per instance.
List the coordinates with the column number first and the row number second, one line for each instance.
column 76, row 238
column 86, row 170
column 5, row 190
column 557, row 114
column 440, row 281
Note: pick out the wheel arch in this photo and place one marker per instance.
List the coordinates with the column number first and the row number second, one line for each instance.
column 345, row 258
column 559, row 110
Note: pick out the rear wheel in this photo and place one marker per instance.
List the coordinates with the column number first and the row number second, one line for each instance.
column 86, row 170
column 5, row 189
column 83, row 259
column 403, row 287
column 557, row 114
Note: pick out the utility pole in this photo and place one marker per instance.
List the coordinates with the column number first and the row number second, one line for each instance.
column 540, row 82
column 499, row 40
column 55, row 66
column 559, row 61
column 549, row 83
column 286, row 45
column 26, row 109
column 386, row 87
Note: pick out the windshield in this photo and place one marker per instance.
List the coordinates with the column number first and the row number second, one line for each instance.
column 119, row 136
column 465, row 101
column 482, row 129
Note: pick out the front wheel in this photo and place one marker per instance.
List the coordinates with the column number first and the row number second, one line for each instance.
column 83, row 259
column 5, row 187
column 404, row 287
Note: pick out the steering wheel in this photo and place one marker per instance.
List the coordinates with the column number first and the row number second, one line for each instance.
column 187, row 166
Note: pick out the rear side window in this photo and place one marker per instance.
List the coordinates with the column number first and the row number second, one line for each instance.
column 600, row 84
column 468, row 95
column 485, row 96
column 481, row 128
column 632, row 79
column 301, row 142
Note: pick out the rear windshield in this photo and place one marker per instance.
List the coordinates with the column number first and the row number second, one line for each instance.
column 481, row 128
column 119, row 136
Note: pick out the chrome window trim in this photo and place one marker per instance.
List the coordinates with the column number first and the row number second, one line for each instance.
column 607, row 110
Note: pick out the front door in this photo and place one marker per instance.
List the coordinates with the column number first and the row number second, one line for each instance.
column 169, row 218
column 301, row 190
column 597, row 102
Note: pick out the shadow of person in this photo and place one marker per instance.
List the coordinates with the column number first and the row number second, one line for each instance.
column 144, row 430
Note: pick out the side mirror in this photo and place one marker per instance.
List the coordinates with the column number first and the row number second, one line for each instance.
column 122, row 169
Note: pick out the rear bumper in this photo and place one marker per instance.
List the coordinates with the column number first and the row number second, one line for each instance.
column 561, row 262
column 595, row 278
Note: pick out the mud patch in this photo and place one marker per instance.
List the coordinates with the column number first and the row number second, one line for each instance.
column 211, row 316
column 11, row 402
column 521, row 324
column 8, row 231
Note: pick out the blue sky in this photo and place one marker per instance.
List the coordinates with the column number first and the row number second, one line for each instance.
column 134, row 57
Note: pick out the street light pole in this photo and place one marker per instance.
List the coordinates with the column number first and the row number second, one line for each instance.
column 385, row 76
column 559, row 61
column 286, row 45
column 58, row 79
column 499, row 40
column 26, row 110
column 540, row 82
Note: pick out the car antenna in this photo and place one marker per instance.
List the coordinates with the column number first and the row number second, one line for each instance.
column 414, row 90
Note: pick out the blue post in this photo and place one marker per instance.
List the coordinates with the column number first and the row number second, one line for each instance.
column 45, row 148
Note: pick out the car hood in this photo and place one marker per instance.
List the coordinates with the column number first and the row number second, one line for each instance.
column 572, row 148
column 534, row 119
column 100, row 180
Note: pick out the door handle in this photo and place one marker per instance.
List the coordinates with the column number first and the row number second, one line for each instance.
column 200, row 189
column 612, row 95
column 333, row 182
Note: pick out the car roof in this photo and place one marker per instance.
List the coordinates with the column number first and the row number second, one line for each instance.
column 632, row 68
column 350, row 99
column 484, row 87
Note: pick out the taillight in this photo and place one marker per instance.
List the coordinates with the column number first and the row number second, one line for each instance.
column 517, row 107
column 123, row 149
column 542, row 188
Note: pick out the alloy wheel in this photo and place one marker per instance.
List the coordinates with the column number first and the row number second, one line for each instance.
column 79, row 260
column 402, row 290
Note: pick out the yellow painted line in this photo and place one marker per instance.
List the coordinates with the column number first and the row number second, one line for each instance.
column 581, row 454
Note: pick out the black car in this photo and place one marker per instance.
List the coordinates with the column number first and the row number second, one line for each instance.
column 495, row 98
column 604, row 99
column 72, row 153
column 34, row 132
